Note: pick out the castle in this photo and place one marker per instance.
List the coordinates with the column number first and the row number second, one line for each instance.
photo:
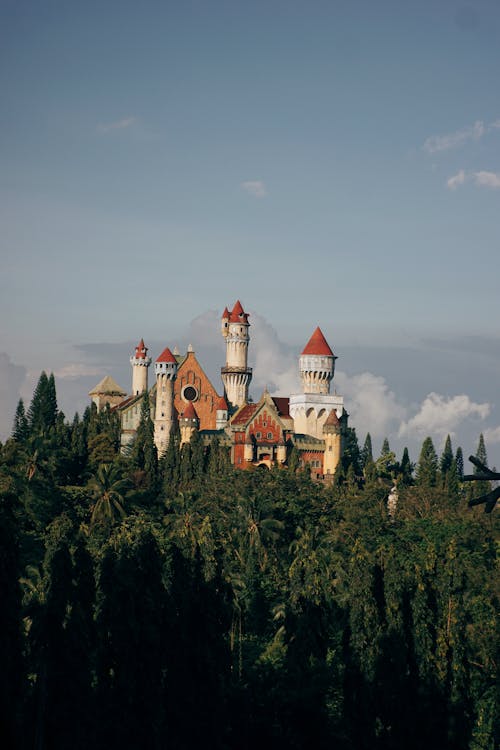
column 263, row 433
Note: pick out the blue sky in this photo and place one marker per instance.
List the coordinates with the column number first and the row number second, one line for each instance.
column 332, row 163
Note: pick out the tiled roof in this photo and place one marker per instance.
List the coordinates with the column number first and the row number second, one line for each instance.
column 238, row 315
column 244, row 415
column 282, row 404
column 317, row 344
column 189, row 412
column 167, row 356
column 107, row 386
column 141, row 350
column 332, row 420
column 221, row 404
column 225, row 314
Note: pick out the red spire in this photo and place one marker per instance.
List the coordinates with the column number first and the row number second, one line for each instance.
column 221, row 404
column 141, row 350
column 317, row 344
column 167, row 356
column 225, row 314
column 189, row 412
column 238, row 315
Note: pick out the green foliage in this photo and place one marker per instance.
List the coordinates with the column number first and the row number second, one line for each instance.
column 427, row 466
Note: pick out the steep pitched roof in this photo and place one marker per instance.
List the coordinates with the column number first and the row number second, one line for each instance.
column 189, row 412
column 141, row 350
column 221, row 404
column 225, row 314
column 167, row 356
column 238, row 315
column 107, row 386
column 244, row 414
column 332, row 420
column 282, row 404
column 317, row 344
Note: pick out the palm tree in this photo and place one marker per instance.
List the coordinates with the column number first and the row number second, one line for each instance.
column 106, row 488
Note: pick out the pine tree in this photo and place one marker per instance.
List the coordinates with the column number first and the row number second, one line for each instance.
column 351, row 454
column 366, row 451
column 482, row 487
column 446, row 458
column 459, row 460
column 37, row 409
column 426, row 474
column 385, row 447
column 406, row 468
column 143, row 454
column 20, row 430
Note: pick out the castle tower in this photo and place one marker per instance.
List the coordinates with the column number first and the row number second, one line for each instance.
column 166, row 372
column 311, row 408
column 188, row 423
column 317, row 364
column 236, row 375
column 332, row 435
column 140, row 364
column 221, row 414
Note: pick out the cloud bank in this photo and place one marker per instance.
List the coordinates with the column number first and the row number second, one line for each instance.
column 437, row 143
column 482, row 178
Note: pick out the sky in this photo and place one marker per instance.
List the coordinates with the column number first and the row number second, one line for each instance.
column 328, row 163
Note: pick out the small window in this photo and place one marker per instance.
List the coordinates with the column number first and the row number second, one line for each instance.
column 258, row 435
column 264, row 424
column 330, row 448
column 269, row 435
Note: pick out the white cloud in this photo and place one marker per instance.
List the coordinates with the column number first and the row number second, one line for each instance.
column 125, row 122
column 372, row 406
column 77, row 370
column 491, row 435
column 255, row 188
column 457, row 179
column 487, row 179
column 436, row 143
column 441, row 415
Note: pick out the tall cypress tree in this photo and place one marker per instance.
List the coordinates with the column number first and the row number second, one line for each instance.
column 386, row 449
column 406, row 467
column 482, row 487
column 427, row 466
column 459, row 460
column 20, row 430
column 367, row 451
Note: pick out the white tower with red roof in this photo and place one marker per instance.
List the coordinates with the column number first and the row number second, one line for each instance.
column 166, row 372
column 311, row 408
column 236, row 375
column 140, row 365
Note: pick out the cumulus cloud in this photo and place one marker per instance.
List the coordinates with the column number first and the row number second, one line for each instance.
column 77, row 370
column 275, row 362
column 480, row 179
column 457, row 179
column 108, row 127
column 492, row 435
column 254, row 187
column 373, row 407
column 441, row 415
column 487, row 179
column 437, row 143
column 11, row 380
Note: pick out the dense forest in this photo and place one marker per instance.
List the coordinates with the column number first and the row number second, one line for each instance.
column 180, row 603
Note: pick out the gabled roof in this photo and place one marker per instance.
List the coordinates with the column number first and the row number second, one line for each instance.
column 317, row 344
column 107, row 386
column 167, row 356
column 244, row 414
column 282, row 405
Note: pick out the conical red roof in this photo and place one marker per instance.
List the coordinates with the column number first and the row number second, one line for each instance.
column 221, row 404
column 141, row 350
column 238, row 313
column 189, row 412
column 332, row 420
column 225, row 314
column 167, row 356
column 317, row 344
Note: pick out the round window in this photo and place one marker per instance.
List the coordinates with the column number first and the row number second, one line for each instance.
column 190, row 393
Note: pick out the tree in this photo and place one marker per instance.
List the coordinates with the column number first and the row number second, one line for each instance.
column 406, row 468
column 106, row 488
column 42, row 413
column 367, row 451
column 385, row 447
column 20, row 430
column 426, row 474
column 446, row 459
column 143, row 454
column 459, row 460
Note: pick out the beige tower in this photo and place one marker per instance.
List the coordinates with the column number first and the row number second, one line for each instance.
column 166, row 372
column 311, row 408
column 188, row 423
column 236, row 375
column 140, row 365
column 332, row 435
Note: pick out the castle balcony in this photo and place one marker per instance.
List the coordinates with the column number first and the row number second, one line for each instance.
column 236, row 370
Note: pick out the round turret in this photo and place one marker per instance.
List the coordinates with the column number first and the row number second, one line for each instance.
column 140, row 365
column 236, row 375
column 166, row 364
column 317, row 365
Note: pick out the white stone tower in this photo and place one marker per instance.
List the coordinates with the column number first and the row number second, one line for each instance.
column 140, row 365
column 166, row 372
column 236, row 375
column 311, row 408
